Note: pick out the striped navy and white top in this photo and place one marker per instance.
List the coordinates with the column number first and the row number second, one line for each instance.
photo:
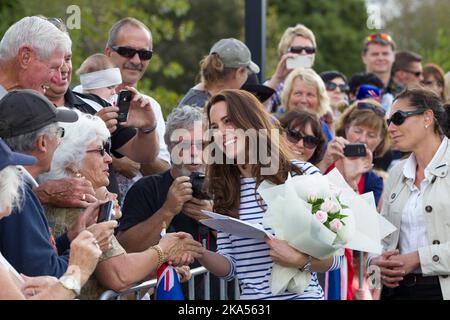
column 249, row 258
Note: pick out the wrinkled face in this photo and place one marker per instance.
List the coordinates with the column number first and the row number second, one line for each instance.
column 227, row 136
column 408, row 135
column 363, row 134
column 186, row 152
column 378, row 58
column 303, row 97
column 336, row 95
column 59, row 86
column 41, row 73
column 95, row 165
column 298, row 148
column 132, row 69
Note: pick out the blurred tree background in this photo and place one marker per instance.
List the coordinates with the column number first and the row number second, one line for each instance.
column 184, row 31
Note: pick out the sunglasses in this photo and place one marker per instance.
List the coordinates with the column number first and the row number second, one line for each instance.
column 330, row 86
column 417, row 74
column 400, row 116
column 299, row 50
column 128, row 52
column 368, row 106
column 375, row 36
column 310, row 142
column 106, row 148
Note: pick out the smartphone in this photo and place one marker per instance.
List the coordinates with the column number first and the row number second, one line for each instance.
column 299, row 62
column 106, row 212
column 355, row 150
column 123, row 102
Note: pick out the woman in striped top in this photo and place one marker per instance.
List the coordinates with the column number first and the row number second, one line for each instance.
column 231, row 115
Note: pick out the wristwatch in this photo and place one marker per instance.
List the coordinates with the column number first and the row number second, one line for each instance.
column 71, row 283
column 148, row 130
column 307, row 266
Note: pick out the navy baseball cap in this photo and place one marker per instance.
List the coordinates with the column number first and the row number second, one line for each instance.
column 25, row 111
column 10, row 158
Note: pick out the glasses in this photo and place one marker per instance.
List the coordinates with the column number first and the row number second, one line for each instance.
column 299, row 50
column 310, row 142
column 417, row 74
column 400, row 116
column 60, row 132
column 368, row 106
column 431, row 83
column 105, row 148
column 128, row 52
column 330, row 86
column 383, row 36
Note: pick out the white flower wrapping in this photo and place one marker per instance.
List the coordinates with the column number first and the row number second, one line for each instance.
column 290, row 216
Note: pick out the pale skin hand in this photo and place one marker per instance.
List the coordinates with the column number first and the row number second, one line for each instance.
column 126, row 167
column 184, row 272
column 180, row 249
column 85, row 219
column 391, row 270
column 66, row 193
column 334, row 152
column 109, row 116
column 103, row 233
column 193, row 208
column 35, row 285
column 179, row 192
column 141, row 114
column 281, row 72
column 352, row 168
column 411, row 261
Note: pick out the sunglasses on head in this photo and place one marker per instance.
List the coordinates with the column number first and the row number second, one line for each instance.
column 330, row 86
column 368, row 106
column 105, row 148
column 299, row 50
column 400, row 116
column 309, row 142
column 128, row 52
column 383, row 36
column 417, row 74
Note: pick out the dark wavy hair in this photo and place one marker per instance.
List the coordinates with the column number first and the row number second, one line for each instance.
column 223, row 180
column 300, row 118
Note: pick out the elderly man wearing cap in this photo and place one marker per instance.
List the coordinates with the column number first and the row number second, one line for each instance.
column 29, row 124
column 226, row 67
column 84, row 250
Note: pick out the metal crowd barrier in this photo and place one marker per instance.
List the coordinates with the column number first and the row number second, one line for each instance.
column 147, row 285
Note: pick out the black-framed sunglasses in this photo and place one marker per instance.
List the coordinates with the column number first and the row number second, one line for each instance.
column 330, row 86
column 105, row 148
column 416, row 74
column 299, row 50
column 128, row 52
column 310, row 142
column 379, row 111
column 400, row 116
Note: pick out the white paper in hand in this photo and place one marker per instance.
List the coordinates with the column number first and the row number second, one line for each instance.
column 234, row 226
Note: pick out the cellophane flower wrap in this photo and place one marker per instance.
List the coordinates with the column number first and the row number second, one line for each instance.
column 320, row 216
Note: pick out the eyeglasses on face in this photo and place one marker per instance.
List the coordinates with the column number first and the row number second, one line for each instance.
column 299, row 50
column 330, row 86
column 399, row 117
column 310, row 142
column 60, row 132
column 416, row 74
column 383, row 36
column 128, row 52
column 368, row 106
column 105, row 148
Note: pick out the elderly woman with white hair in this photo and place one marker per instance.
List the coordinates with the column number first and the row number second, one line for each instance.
column 305, row 90
column 84, row 252
column 84, row 151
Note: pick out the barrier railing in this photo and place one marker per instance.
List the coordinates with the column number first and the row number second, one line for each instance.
column 147, row 285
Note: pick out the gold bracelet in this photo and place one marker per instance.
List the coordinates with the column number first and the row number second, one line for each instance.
column 160, row 252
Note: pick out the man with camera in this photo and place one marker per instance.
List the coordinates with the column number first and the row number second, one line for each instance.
column 171, row 197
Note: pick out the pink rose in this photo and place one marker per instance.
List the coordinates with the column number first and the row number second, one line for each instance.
column 336, row 225
column 322, row 216
column 329, row 206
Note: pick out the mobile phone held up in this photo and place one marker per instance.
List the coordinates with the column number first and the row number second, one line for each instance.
column 123, row 103
column 299, row 62
column 355, row 150
column 106, row 212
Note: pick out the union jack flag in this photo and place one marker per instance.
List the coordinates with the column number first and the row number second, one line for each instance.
column 168, row 285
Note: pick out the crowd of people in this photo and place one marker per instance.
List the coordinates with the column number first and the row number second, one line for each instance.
column 65, row 154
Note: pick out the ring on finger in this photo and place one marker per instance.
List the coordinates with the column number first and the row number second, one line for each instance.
column 83, row 197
